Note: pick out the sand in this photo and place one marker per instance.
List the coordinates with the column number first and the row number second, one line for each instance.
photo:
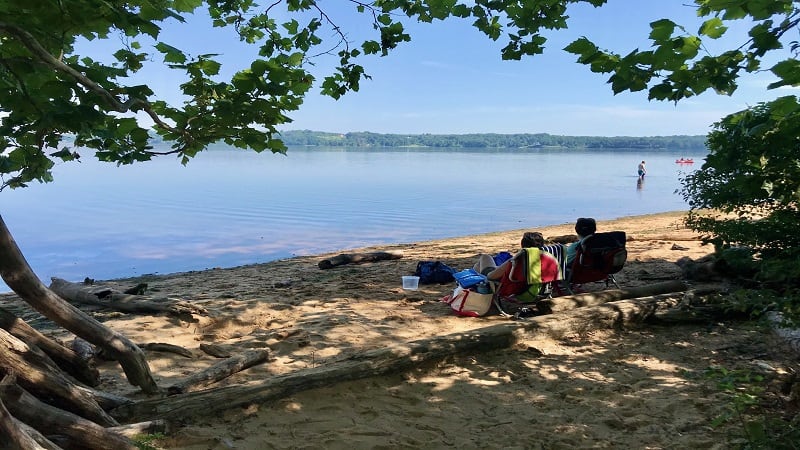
column 645, row 386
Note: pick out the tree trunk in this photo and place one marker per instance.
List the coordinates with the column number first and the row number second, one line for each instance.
column 568, row 302
column 18, row 275
column 66, row 359
column 37, row 373
column 48, row 419
column 15, row 435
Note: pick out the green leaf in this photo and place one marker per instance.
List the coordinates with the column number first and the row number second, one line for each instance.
column 581, row 47
column 661, row 30
column 713, row 28
column 788, row 71
column 187, row 5
column 171, row 54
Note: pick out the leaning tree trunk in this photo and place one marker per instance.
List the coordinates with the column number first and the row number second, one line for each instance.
column 19, row 276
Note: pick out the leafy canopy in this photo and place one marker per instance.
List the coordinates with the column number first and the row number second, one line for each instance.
column 49, row 92
column 747, row 193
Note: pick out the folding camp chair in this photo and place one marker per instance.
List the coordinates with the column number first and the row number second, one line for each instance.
column 531, row 277
column 598, row 258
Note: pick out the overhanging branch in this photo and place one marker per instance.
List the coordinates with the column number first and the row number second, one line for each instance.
column 39, row 52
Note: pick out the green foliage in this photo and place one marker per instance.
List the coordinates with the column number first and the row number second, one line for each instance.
column 53, row 100
column 147, row 441
column 747, row 193
column 490, row 140
column 678, row 66
column 761, row 428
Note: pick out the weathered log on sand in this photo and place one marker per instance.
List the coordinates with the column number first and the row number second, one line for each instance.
column 219, row 371
column 369, row 363
column 169, row 348
column 570, row 302
column 78, row 293
column 36, row 372
column 65, row 358
column 215, row 350
column 664, row 237
column 132, row 430
column 358, row 258
column 614, row 315
column 46, row 419
column 15, row 434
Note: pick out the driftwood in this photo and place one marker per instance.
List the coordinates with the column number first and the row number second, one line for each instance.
column 78, row 293
column 215, row 350
column 16, row 435
column 132, row 430
column 614, row 315
column 369, row 363
column 82, row 433
column 570, row 302
column 358, row 258
column 664, row 237
column 219, row 371
column 36, row 372
column 169, row 348
column 64, row 357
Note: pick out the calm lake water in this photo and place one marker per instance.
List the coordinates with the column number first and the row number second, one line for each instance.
column 230, row 207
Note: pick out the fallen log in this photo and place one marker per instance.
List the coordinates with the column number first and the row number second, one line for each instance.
column 570, row 302
column 129, row 303
column 132, row 430
column 36, row 372
column 368, row 363
column 82, row 433
column 15, row 434
column 219, row 371
column 215, row 350
column 168, row 348
column 65, row 358
column 358, row 258
column 665, row 237
column 613, row 315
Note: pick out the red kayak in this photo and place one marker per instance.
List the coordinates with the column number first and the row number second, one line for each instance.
column 684, row 161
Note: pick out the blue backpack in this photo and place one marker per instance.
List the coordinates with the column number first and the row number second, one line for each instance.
column 432, row 272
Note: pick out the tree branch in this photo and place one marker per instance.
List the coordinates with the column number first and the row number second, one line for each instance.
column 38, row 51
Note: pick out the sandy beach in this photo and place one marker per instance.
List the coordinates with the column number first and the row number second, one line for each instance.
column 642, row 386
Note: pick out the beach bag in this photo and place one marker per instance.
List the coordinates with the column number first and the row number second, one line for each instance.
column 501, row 257
column 468, row 302
column 469, row 277
column 433, row 272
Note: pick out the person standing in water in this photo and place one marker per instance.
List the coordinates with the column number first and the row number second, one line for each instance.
column 642, row 170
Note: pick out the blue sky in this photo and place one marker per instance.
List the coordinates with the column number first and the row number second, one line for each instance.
column 450, row 79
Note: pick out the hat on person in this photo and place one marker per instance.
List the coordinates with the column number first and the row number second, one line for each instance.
column 585, row 226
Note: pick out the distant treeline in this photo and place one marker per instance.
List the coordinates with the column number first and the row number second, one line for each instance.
column 488, row 140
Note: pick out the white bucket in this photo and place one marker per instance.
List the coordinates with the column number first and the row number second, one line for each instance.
column 410, row 282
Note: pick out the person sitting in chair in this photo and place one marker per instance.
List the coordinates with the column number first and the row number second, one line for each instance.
column 486, row 264
column 584, row 227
